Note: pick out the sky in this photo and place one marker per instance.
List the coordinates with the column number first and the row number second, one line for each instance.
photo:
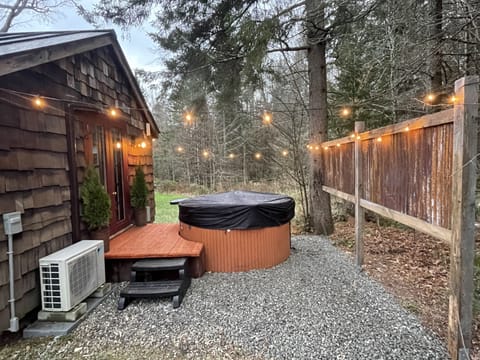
column 136, row 45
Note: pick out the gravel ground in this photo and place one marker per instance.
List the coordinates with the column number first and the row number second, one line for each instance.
column 313, row 306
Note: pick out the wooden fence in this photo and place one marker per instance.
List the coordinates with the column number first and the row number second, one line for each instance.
column 421, row 173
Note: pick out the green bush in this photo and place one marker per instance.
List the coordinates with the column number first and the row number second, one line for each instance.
column 96, row 205
column 139, row 190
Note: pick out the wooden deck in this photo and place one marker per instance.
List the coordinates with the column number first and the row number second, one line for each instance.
column 151, row 241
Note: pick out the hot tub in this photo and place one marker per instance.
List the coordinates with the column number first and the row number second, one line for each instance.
column 240, row 230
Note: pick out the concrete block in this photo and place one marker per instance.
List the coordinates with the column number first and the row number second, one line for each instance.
column 102, row 291
column 62, row 316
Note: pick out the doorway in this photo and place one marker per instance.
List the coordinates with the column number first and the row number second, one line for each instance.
column 105, row 145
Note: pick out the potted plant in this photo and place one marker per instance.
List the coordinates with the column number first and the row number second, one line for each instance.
column 96, row 207
column 138, row 197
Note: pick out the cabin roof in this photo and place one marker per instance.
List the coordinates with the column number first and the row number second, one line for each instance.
column 20, row 51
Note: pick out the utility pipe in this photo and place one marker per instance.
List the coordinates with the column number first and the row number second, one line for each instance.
column 14, row 325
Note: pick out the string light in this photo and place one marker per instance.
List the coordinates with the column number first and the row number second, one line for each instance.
column 231, row 156
column 317, row 147
column 338, row 145
column 143, row 144
column 113, row 112
column 358, row 137
column 453, row 99
column 284, row 152
column 267, row 118
column 407, row 129
column 352, row 136
column 180, row 149
column 258, row 156
column 379, row 139
column 38, row 102
column 118, row 145
column 205, row 154
column 188, row 119
column 430, row 98
column 346, row 112
column 325, row 147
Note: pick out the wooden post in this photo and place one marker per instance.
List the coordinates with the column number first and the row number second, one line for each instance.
column 463, row 217
column 359, row 212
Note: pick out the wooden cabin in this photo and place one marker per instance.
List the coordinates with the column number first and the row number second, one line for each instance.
column 57, row 90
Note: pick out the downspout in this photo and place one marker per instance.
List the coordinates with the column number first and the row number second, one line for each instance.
column 72, row 172
column 14, row 326
column 12, row 224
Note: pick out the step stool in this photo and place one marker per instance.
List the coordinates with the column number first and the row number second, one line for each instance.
column 143, row 269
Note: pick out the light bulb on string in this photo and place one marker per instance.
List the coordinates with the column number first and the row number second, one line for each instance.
column 180, row 149
column 284, row 152
column 345, row 112
column 112, row 112
column 38, row 102
column 258, row 156
column 430, row 98
column 188, row 118
column 231, row 156
column 143, row 144
column 267, row 118
column 205, row 154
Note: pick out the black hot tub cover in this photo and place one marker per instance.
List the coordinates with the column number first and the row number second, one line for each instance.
column 237, row 210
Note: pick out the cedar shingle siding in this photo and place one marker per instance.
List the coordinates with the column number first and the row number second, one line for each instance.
column 34, row 165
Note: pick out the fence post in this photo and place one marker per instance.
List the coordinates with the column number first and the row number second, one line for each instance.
column 463, row 217
column 359, row 212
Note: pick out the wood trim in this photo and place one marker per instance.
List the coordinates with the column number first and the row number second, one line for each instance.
column 18, row 62
column 462, row 250
column 72, row 173
column 417, row 224
column 339, row 194
column 440, row 118
column 359, row 212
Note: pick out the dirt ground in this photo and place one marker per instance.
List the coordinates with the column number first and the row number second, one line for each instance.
column 413, row 267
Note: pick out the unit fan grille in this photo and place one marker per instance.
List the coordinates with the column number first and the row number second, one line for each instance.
column 83, row 276
column 51, row 294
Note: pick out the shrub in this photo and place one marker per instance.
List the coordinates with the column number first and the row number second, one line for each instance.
column 96, row 205
column 139, row 190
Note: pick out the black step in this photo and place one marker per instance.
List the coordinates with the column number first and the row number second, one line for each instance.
column 160, row 264
column 152, row 289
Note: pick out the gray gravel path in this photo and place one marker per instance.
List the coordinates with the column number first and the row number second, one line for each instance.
column 313, row 306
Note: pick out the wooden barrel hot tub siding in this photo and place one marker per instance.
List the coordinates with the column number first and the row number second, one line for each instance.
column 241, row 250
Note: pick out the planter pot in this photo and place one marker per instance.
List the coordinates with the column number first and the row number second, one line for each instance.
column 102, row 234
column 140, row 216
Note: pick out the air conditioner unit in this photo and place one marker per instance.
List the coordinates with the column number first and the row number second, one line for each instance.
column 70, row 275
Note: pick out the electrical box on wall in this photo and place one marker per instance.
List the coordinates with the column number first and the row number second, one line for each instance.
column 12, row 223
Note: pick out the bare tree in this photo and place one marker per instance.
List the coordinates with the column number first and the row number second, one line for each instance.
column 13, row 10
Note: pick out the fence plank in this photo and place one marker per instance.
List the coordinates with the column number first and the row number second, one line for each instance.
column 463, row 217
column 359, row 212
column 436, row 119
column 413, row 222
column 339, row 194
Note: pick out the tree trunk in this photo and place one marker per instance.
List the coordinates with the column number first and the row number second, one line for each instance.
column 321, row 215
column 436, row 33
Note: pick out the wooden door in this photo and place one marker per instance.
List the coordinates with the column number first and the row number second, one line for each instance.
column 105, row 149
